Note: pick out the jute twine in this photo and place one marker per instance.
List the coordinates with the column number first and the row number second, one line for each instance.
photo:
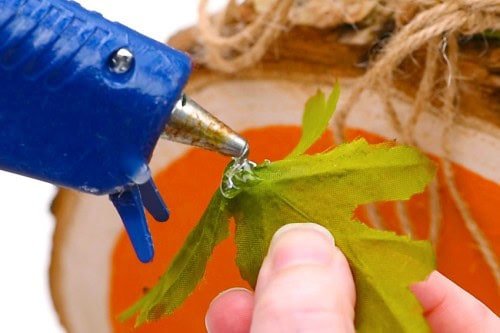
column 430, row 24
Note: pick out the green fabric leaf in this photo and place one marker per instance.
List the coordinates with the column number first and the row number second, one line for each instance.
column 188, row 266
column 384, row 265
column 317, row 114
column 324, row 188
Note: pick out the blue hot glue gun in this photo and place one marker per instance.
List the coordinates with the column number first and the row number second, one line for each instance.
column 84, row 100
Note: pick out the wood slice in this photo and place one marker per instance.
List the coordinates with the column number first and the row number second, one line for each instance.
column 88, row 277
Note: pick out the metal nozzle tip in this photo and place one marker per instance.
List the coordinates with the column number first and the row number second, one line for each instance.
column 190, row 124
column 244, row 152
column 237, row 147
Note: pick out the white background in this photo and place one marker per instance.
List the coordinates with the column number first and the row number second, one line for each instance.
column 26, row 223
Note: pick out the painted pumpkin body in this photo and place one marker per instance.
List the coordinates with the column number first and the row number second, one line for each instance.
column 130, row 278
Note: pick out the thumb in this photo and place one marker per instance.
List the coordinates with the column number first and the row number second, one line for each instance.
column 304, row 285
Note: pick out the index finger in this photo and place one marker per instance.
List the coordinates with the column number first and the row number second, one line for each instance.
column 449, row 308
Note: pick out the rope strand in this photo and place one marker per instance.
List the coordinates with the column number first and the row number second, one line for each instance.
column 450, row 100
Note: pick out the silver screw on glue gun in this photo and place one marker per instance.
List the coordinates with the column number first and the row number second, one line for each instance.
column 190, row 124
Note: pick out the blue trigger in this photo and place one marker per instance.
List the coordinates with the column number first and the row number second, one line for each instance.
column 153, row 201
column 129, row 206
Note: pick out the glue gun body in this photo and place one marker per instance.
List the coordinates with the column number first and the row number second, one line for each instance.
column 83, row 102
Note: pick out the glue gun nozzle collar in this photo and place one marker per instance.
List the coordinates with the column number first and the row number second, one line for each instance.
column 190, row 124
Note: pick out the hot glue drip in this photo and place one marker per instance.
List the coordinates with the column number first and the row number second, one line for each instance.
column 238, row 174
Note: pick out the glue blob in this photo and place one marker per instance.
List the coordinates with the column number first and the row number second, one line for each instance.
column 238, row 174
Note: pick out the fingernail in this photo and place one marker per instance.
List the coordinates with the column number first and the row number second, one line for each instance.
column 209, row 319
column 232, row 290
column 301, row 244
column 229, row 291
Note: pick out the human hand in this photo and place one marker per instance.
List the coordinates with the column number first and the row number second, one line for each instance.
column 305, row 285
column 449, row 308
